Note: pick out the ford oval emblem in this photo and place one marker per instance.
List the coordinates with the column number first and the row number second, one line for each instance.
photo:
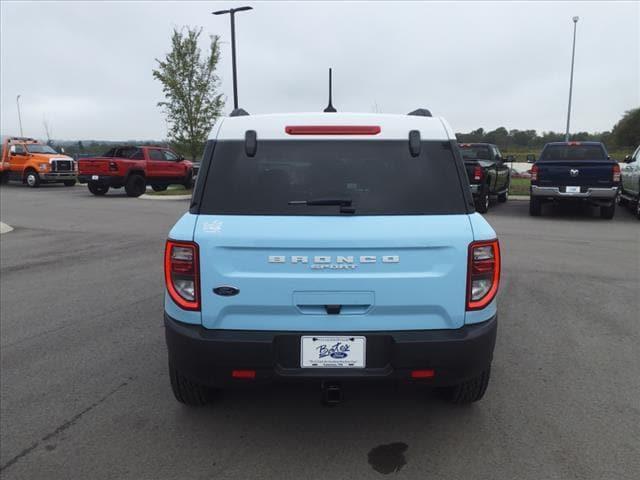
column 226, row 291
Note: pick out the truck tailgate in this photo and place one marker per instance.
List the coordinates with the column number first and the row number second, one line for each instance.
column 97, row 165
column 575, row 173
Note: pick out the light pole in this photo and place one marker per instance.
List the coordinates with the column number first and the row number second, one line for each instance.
column 232, row 12
column 573, row 56
column 19, row 117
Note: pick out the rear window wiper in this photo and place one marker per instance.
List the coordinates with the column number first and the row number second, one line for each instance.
column 343, row 203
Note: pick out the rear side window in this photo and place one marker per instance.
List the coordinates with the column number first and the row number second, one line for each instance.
column 378, row 178
column 573, row 152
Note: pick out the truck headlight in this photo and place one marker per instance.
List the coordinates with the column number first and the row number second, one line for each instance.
column 43, row 167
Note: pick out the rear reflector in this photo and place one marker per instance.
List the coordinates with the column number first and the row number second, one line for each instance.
column 332, row 129
column 247, row 374
column 423, row 374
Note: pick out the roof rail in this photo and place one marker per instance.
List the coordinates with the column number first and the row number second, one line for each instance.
column 239, row 112
column 420, row 112
column 24, row 139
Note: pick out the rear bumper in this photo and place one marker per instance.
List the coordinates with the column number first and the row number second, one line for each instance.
column 106, row 180
column 209, row 356
column 608, row 193
column 475, row 189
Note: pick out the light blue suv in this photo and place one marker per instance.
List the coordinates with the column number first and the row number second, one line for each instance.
column 330, row 247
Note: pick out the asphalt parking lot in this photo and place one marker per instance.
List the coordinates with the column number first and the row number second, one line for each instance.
column 85, row 391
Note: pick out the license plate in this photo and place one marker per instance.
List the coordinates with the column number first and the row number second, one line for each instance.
column 332, row 352
column 95, row 177
column 573, row 190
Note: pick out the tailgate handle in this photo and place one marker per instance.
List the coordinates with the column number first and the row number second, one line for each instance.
column 333, row 309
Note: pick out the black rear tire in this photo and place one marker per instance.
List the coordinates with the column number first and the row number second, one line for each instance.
column 159, row 188
column 4, row 178
column 97, row 189
column 482, row 202
column 69, row 183
column 188, row 181
column 535, row 207
column 135, row 186
column 503, row 197
column 188, row 392
column 608, row 212
column 471, row 390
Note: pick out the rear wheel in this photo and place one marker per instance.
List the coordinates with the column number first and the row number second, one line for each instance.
column 4, row 177
column 503, row 197
column 471, row 390
column 188, row 392
column 97, row 189
column 638, row 209
column 482, row 202
column 69, row 183
column 32, row 179
column 159, row 188
column 608, row 211
column 535, row 207
column 188, row 181
column 135, row 186
column 620, row 198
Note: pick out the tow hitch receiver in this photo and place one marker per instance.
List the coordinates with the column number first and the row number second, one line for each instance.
column 331, row 393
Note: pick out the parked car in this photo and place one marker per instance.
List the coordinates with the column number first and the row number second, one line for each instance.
column 134, row 168
column 32, row 162
column 331, row 247
column 575, row 172
column 489, row 174
column 630, row 182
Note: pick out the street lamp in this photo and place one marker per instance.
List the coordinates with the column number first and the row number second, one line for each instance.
column 573, row 56
column 232, row 12
column 19, row 117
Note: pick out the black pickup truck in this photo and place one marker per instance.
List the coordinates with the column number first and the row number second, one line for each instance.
column 575, row 172
column 489, row 175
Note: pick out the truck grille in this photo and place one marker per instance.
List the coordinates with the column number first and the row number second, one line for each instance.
column 61, row 166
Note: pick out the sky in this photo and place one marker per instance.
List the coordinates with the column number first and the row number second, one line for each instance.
column 85, row 67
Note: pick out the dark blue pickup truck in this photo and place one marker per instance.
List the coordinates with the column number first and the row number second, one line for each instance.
column 575, row 172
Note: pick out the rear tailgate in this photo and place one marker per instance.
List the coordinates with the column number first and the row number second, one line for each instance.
column 385, row 273
column 575, row 173
column 94, row 165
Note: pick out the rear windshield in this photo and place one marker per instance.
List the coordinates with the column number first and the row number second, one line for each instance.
column 375, row 177
column 480, row 152
column 573, row 152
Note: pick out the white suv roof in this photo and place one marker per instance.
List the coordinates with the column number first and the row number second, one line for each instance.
column 273, row 126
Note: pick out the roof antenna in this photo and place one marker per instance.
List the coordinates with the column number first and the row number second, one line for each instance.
column 330, row 107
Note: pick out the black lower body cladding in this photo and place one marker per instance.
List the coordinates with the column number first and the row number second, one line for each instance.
column 208, row 357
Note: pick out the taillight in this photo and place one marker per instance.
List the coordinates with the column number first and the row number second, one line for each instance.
column 181, row 274
column 483, row 273
column 477, row 173
column 113, row 167
column 534, row 173
column 616, row 173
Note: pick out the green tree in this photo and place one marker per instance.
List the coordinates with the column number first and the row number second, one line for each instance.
column 190, row 84
column 626, row 133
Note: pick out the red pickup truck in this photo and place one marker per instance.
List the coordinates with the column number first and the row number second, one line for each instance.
column 134, row 168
